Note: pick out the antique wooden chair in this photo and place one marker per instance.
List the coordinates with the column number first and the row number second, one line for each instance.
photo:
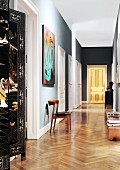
column 56, row 114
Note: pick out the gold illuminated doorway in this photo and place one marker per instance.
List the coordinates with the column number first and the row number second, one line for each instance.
column 96, row 83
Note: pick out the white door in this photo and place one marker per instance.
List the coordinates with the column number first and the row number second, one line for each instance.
column 96, row 83
column 77, row 84
column 78, row 91
column 76, row 88
column 80, row 83
column 61, row 78
column 70, row 81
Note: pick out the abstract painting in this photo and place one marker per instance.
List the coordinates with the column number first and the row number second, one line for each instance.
column 48, row 57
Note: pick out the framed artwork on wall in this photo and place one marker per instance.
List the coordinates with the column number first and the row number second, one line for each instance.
column 48, row 57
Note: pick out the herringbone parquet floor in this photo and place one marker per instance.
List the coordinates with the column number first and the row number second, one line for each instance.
column 86, row 147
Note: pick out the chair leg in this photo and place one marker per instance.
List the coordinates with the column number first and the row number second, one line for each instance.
column 54, row 123
column 70, row 120
column 67, row 123
column 51, row 124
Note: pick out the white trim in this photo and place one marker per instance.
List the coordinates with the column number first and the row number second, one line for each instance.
column 33, row 85
column 27, row 6
column 43, row 130
column 12, row 158
column 70, row 81
column 84, row 102
column 15, row 4
column 115, row 100
column 74, row 58
column 61, row 88
column 46, row 128
column 76, row 106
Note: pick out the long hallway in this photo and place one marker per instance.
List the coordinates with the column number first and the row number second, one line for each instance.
column 86, row 147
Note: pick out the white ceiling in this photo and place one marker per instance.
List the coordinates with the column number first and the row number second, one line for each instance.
column 93, row 21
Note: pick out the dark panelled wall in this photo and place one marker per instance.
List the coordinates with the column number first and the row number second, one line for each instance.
column 65, row 41
column 95, row 56
column 78, row 51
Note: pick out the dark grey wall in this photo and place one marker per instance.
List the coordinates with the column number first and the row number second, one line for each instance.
column 64, row 38
column 95, row 56
column 78, row 51
column 64, row 34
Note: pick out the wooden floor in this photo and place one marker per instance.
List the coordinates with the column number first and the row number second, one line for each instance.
column 86, row 147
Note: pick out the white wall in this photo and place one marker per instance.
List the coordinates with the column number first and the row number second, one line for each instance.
column 114, row 81
column 50, row 17
column 116, row 62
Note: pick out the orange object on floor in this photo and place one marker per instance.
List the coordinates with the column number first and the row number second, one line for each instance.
column 114, row 133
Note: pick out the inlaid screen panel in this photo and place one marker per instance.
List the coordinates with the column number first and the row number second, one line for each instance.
column 12, row 84
column 4, row 5
column 17, row 82
column 4, row 84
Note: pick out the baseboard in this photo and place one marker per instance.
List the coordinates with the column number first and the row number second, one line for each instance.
column 43, row 130
column 12, row 158
column 83, row 102
column 46, row 128
column 70, row 110
column 75, row 106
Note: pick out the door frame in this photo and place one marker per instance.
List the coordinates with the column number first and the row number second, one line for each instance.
column 92, row 66
column 80, row 84
column 59, row 71
column 70, row 81
column 33, row 77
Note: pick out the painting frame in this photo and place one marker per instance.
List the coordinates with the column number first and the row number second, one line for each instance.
column 48, row 57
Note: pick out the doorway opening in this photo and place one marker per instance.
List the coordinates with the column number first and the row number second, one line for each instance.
column 70, row 81
column 61, row 78
column 32, row 67
column 96, row 83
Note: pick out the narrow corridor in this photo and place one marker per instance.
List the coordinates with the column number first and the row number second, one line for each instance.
column 86, row 147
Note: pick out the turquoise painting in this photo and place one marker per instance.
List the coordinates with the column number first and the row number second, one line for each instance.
column 48, row 56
